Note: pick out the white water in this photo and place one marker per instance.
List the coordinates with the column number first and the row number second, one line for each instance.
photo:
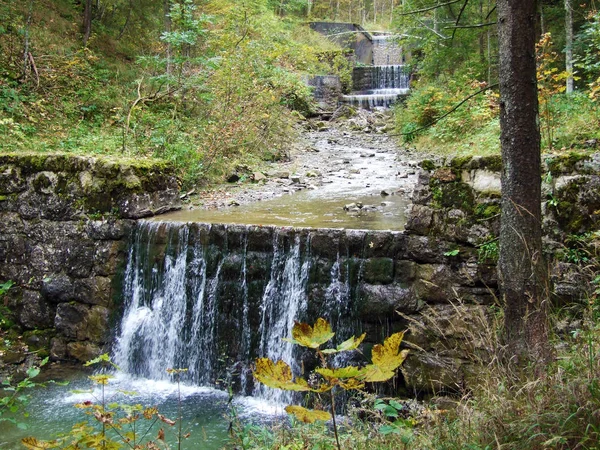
column 283, row 302
column 389, row 79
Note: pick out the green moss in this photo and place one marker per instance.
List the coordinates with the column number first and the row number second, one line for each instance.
column 486, row 210
column 492, row 162
column 379, row 270
column 452, row 195
column 564, row 163
column 427, row 164
column 460, row 162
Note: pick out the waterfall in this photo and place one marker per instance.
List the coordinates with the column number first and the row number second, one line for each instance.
column 283, row 302
column 212, row 298
column 380, row 84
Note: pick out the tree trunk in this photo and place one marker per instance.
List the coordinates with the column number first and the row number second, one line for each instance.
column 521, row 268
column 569, row 44
column 87, row 21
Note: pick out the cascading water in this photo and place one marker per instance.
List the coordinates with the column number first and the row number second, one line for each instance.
column 284, row 302
column 381, row 84
column 211, row 299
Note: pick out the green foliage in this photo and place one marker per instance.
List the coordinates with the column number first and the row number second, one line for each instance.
column 172, row 87
column 396, row 424
column 112, row 425
column 488, row 251
column 587, row 51
column 5, row 314
column 417, row 118
column 14, row 396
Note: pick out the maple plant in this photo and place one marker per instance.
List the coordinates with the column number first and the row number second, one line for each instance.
column 385, row 359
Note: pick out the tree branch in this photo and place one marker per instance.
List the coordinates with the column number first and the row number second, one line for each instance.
column 416, row 11
column 478, row 25
column 458, row 105
column 462, row 9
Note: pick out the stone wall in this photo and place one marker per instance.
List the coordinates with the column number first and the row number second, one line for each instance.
column 65, row 222
column 326, row 91
column 348, row 35
column 457, row 205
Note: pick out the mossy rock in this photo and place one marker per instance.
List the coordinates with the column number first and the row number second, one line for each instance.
column 452, row 195
column 427, row 164
column 564, row 164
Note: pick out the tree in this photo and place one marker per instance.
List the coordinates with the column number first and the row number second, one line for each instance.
column 569, row 46
column 87, row 21
column 522, row 272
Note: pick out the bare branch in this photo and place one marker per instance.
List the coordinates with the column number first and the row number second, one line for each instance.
column 416, row 11
column 462, row 9
column 458, row 105
column 478, row 25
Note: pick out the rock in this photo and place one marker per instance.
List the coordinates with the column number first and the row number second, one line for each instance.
column 383, row 300
column 83, row 351
column 13, row 357
column 258, row 176
column 58, row 349
column 35, row 312
column 295, row 178
column 420, row 219
column 233, row 202
column 283, row 174
column 82, row 322
column 428, row 372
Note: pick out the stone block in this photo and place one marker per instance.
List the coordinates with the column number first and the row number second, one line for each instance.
column 379, row 270
column 83, row 351
column 35, row 311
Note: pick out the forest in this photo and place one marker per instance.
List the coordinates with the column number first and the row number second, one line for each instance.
column 217, row 87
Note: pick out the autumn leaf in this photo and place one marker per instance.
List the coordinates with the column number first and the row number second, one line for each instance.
column 278, row 375
column 161, row 435
column 343, row 372
column 312, row 337
column 149, row 412
column 307, row 415
column 347, row 345
column 33, row 444
column 385, row 359
column 165, row 420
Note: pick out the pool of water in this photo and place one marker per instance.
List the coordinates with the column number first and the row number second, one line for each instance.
column 206, row 412
column 309, row 209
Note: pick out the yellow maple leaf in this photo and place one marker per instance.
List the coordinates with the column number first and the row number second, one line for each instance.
column 385, row 359
column 278, row 375
column 312, row 337
column 347, row 345
column 307, row 415
column 34, row 444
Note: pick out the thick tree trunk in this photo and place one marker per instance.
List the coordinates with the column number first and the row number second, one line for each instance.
column 522, row 271
column 569, row 44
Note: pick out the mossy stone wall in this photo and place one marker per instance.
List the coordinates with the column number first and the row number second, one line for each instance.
column 65, row 222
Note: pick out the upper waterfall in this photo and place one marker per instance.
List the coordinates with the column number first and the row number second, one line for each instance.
column 380, row 84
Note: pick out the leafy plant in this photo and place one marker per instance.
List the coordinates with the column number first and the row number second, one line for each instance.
column 396, row 424
column 113, row 425
column 14, row 396
column 488, row 251
column 385, row 359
